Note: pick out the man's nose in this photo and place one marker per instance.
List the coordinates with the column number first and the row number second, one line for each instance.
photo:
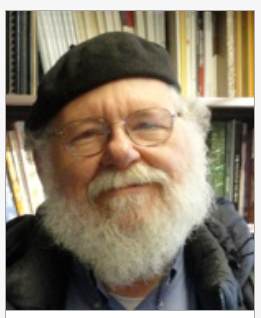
column 119, row 151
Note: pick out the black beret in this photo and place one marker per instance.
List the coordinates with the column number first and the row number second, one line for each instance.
column 97, row 61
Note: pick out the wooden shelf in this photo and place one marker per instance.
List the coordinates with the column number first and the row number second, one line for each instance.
column 225, row 102
column 216, row 102
column 19, row 100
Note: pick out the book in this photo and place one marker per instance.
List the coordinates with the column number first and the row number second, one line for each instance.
column 109, row 23
column 117, row 20
column 191, row 53
column 226, row 63
column 24, row 53
column 33, row 54
column 49, row 26
column 69, row 28
column 221, row 28
column 217, row 157
column 183, row 52
column 12, row 52
column 33, row 183
column 237, row 125
column 18, row 47
column 250, row 53
column 13, row 177
column 200, row 54
column 127, row 21
column 208, row 53
column 91, row 24
column 7, row 50
column 242, row 177
column 79, row 26
column 42, row 35
column 10, row 208
column 251, row 213
column 19, row 168
column 59, row 35
column 101, row 22
column 139, row 24
column 248, row 174
column 231, row 64
column 173, row 41
column 160, row 28
column 150, row 25
column 230, row 131
column 239, row 44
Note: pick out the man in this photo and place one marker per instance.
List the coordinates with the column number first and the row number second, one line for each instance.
column 129, row 220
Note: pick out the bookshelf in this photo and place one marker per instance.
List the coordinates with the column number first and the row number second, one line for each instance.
column 197, row 64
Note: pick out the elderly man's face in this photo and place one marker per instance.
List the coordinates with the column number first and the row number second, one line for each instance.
column 114, row 102
column 127, row 210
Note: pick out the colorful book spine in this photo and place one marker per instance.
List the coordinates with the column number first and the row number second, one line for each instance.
column 10, row 208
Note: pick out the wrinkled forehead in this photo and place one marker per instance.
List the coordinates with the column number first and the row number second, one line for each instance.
column 118, row 99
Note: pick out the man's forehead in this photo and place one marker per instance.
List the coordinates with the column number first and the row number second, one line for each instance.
column 123, row 96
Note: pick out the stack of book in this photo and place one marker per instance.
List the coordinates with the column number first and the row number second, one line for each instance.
column 22, row 179
column 212, row 52
column 231, row 153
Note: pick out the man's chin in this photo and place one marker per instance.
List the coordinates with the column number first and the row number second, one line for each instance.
column 128, row 211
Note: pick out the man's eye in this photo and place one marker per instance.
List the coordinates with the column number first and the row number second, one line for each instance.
column 85, row 135
column 145, row 126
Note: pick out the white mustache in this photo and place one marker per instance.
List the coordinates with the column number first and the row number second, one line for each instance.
column 137, row 174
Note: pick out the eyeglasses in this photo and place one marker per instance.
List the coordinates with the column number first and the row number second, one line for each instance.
column 88, row 137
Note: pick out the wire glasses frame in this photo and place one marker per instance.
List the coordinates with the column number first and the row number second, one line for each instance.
column 88, row 137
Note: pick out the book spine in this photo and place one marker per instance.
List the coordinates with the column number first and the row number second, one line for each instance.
column 32, row 53
column 150, row 22
column 251, row 53
column 10, row 208
column 117, row 20
column 7, row 52
column 127, row 21
column 67, row 17
column 243, row 170
column 42, row 43
column 160, row 28
column 231, row 71
column 35, row 190
column 217, row 157
column 237, row 162
column 251, row 214
column 200, row 54
column 239, row 53
column 109, row 21
column 14, row 180
column 101, row 21
column 139, row 23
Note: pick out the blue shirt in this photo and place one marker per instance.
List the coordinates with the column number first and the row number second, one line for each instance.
column 174, row 293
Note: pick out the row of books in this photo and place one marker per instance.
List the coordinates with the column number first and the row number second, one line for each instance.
column 231, row 153
column 212, row 51
column 23, row 187
column 35, row 40
column 23, row 66
column 57, row 30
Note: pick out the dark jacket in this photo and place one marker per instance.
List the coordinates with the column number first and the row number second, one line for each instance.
column 218, row 256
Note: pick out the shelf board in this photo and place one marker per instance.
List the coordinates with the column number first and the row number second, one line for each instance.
column 225, row 102
column 212, row 102
column 19, row 100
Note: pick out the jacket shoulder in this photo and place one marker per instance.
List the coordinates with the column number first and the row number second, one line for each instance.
column 36, row 274
column 232, row 232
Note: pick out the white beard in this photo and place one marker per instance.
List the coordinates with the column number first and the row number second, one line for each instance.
column 120, row 255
